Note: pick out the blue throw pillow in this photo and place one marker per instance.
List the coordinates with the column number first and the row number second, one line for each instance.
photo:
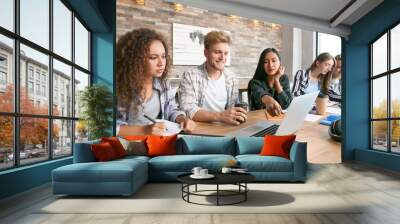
column 249, row 145
column 83, row 153
column 194, row 145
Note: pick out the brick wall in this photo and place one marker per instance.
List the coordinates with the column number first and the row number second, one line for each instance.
column 248, row 38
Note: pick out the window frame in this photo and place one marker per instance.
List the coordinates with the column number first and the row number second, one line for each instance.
column 15, row 71
column 388, row 74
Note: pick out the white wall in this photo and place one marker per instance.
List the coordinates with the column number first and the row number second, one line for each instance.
column 298, row 49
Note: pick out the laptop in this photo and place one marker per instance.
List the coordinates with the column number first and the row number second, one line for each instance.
column 293, row 120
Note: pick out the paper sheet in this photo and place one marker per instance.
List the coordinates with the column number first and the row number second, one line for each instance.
column 334, row 110
column 172, row 128
column 312, row 117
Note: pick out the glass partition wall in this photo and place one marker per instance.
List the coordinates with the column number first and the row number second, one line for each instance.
column 44, row 58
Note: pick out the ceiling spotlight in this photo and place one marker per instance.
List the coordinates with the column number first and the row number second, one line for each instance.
column 232, row 18
column 178, row 7
column 140, row 2
column 273, row 26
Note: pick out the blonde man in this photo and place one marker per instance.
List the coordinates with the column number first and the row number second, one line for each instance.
column 208, row 92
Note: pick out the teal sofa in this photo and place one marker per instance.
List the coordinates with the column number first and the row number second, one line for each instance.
column 125, row 176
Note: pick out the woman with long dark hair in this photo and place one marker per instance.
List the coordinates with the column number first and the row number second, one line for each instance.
column 270, row 86
column 142, row 67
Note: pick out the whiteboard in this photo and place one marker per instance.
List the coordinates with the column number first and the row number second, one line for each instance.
column 187, row 44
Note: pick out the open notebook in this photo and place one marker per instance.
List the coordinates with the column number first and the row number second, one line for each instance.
column 172, row 128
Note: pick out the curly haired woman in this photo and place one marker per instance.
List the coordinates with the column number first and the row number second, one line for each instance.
column 142, row 68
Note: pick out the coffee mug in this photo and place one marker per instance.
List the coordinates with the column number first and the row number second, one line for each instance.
column 243, row 105
column 196, row 171
column 203, row 172
column 226, row 170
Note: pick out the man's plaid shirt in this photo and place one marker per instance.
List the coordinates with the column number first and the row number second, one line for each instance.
column 193, row 85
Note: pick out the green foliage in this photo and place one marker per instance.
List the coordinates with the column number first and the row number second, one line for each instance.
column 380, row 111
column 96, row 102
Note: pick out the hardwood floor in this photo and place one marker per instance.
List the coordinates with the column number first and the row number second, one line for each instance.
column 378, row 190
column 321, row 148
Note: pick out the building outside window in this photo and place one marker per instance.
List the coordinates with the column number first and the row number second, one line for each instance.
column 3, row 72
column 30, row 87
column 43, row 90
column 57, row 134
column 3, row 78
column 385, row 96
column 37, row 75
column 38, row 89
column 44, row 77
column 30, row 72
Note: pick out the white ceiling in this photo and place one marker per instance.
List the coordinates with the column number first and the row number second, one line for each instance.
column 315, row 15
column 319, row 9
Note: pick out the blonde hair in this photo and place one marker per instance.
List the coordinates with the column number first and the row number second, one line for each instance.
column 215, row 37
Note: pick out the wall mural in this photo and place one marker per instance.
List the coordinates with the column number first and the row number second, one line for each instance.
column 187, row 42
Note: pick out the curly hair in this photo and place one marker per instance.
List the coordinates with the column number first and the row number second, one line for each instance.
column 132, row 55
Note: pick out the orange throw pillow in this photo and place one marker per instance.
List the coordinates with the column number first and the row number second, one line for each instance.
column 103, row 151
column 161, row 145
column 116, row 145
column 135, row 137
column 277, row 145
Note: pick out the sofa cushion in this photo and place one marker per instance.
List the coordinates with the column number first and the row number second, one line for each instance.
column 83, row 152
column 103, row 152
column 134, row 147
column 257, row 163
column 249, row 145
column 128, row 159
column 161, row 145
column 96, row 172
column 116, row 145
column 197, row 145
column 277, row 145
column 135, row 137
column 185, row 163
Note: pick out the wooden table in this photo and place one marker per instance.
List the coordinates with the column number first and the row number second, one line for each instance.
column 320, row 147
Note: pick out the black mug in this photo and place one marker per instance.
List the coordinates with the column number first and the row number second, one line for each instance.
column 243, row 105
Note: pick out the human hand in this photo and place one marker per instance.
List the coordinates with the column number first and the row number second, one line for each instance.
column 274, row 108
column 279, row 73
column 233, row 115
column 187, row 124
column 156, row 128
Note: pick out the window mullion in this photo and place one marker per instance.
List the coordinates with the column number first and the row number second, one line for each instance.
column 50, row 81
column 389, row 106
column 16, row 83
column 73, row 82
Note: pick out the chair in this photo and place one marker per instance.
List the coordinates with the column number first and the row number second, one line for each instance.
column 250, row 99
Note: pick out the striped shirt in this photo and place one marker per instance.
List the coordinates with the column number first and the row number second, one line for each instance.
column 169, row 107
column 335, row 91
column 301, row 82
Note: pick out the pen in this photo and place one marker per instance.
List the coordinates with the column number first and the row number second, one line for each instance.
column 152, row 120
column 149, row 118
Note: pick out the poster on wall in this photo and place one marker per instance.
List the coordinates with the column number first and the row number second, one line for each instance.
column 188, row 44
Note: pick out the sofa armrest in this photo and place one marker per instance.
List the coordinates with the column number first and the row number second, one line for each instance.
column 83, row 152
column 298, row 155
